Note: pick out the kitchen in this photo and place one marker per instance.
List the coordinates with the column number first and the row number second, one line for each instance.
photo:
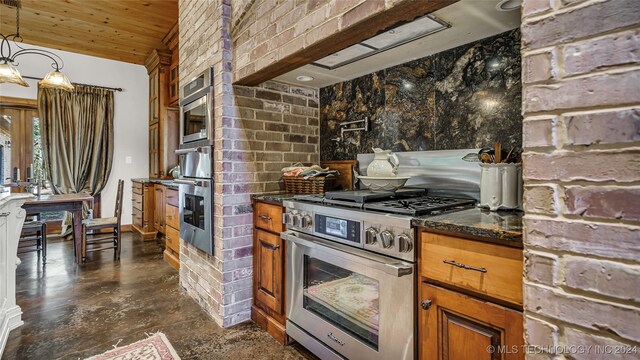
column 484, row 74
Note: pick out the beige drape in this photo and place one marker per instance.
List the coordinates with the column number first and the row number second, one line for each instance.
column 77, row 138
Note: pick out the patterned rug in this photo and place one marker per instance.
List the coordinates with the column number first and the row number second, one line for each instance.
column 155, row 347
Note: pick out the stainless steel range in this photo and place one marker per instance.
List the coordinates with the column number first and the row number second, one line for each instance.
column 351, row 266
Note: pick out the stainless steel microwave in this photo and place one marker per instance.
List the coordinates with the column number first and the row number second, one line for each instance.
column 196, row 109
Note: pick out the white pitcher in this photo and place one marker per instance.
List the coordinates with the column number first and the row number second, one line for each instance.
column 384, row 163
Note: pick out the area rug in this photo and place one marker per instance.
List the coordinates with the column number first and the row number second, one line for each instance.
column 155, row 347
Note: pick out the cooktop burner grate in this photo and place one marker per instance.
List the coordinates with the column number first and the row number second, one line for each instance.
column 410, row 203
column 423, row 205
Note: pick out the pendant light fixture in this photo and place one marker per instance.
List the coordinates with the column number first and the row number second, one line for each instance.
column 10, row 74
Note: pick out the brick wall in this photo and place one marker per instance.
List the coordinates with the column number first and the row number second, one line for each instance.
column 581, row 105
column 258, row 131
column 272, row 30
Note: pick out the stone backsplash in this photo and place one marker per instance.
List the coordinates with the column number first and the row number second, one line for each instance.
column 466, row 97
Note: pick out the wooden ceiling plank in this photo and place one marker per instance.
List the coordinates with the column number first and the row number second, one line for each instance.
column 129, row 13
column 41, row 17
column 124, row 30
column 38, row 35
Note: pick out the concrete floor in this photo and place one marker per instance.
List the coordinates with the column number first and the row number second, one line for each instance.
column 74, row 312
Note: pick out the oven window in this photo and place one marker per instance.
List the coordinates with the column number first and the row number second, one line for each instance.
column 193, row 211
column 344, row 298
column 195, row 120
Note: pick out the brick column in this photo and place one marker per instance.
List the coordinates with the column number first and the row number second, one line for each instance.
column 258, row 131
column 581, row 105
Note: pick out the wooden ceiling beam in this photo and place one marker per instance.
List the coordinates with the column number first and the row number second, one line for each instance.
column 406, row 10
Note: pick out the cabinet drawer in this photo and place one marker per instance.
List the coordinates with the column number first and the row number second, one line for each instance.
column 172, row 216
column 136, row 217
column 172, row 197
column 136, row 188
column 136, row 200
column 495, row 270
column 268, row 217
column 172, row 239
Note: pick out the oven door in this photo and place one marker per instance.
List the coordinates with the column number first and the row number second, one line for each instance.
column 194, row 120
column 361, row 305
column 196, row 213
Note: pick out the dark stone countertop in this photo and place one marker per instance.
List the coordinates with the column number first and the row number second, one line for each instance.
column 168, row 183
column 498, row 225
column 277, row 198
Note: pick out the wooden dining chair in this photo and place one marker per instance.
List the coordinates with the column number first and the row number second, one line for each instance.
column 34, row 237
column 96, row 240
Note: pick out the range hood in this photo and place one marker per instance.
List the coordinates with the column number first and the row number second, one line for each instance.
column 391, row 38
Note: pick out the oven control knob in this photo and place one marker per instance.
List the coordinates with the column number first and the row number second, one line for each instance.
column 404, row 243
column 306, row 221
column 371, row 236
column 297, row 219
column 286, row 219
column 386, row 239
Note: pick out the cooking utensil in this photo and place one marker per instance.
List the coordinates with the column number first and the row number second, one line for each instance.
column 485, row 158
column 497, row 151
column 507, row 158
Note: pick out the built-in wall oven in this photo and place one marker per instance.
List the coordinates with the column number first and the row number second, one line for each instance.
column 196, row 110
column 345, row 300
column 196, row 162
column 196, row 213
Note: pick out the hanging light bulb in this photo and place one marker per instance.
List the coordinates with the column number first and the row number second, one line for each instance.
column 56, row 80
column 9, row 74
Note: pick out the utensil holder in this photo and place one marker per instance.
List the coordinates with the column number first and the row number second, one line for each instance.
column 501, row 186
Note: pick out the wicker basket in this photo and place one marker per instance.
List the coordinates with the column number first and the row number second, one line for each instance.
column 314, row 185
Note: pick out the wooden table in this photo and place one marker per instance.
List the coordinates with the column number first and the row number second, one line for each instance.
column 63, row 202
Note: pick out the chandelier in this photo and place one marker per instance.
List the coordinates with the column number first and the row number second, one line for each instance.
column 10, row 74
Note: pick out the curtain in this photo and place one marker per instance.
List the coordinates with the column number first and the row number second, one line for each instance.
column 77, row 138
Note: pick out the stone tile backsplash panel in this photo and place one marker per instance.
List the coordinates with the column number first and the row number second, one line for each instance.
column 466, row 97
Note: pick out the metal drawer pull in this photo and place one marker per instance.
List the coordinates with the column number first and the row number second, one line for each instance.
column 4, row 214
column 463, row 266
column 272, row 247
column 264, row 217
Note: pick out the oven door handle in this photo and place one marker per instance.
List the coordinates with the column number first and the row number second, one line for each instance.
column 397, row 268
column 192, row 182
column 199, row 149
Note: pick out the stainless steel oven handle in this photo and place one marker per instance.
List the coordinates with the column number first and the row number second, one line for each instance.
column 199, row 149
column 192, row 182
column 397, row 269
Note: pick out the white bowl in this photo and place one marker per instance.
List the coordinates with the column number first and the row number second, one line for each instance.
column 383, row 183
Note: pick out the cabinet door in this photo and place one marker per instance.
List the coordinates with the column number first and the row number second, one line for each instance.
column 458, row 327
column 154, row 100
column 154, row 151
column 159, row 212
column 268, row 270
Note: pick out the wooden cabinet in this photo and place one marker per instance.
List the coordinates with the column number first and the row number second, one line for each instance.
column 171, row 219
column 459, row 327
column 158, row 218
column 171, row 40
column 470, row 298
column 154, row 151
column 268, row 280
column 164, row 120
column 268, row 310
column 143, row 209
column 494, row 270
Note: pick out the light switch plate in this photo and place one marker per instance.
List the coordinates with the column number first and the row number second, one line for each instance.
column 128, row 160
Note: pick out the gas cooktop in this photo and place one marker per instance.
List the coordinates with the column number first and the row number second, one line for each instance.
column 406, row 201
